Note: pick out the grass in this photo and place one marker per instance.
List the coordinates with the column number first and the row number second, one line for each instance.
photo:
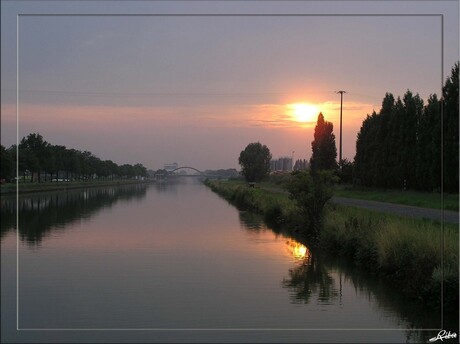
column 276, row 207
column 408, row 252
column 413, row 198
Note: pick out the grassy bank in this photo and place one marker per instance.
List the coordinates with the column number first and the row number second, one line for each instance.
column 10, row 188
column 406, row 251
column 276, row 207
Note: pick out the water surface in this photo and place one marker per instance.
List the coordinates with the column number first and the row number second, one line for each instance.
column 175, row 262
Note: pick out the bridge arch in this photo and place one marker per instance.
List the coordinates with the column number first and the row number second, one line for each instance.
column 184, row 167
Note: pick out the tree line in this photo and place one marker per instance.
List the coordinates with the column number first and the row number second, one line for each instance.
column 402, row 145
column 41, row 161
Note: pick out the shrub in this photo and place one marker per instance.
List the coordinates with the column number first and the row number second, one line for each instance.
column 310, row 194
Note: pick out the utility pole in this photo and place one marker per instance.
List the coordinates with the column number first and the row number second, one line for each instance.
column 340, row 149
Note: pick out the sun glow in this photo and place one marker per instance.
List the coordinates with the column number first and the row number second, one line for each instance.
column 297, row 250
column 303, row 112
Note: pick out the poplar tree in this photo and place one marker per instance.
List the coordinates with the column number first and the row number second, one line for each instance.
column 401, row 146
column 450, row 144
column 428, row 170
column 323, row 146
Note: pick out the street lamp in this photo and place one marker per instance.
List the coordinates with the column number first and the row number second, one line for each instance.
column 340, row 142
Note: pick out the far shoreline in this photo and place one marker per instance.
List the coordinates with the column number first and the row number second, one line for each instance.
column 11, row 189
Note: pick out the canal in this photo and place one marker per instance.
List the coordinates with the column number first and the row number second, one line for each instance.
column 175, row 262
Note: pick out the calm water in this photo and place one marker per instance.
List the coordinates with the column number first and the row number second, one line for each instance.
column 178, row 263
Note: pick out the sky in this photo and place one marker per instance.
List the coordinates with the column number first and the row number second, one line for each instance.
column 194, row 82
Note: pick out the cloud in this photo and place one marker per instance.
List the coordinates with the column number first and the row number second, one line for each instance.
column 271, row 116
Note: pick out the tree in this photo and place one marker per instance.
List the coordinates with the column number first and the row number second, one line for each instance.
column 428, row 171
column 401, row 145
column 310, row 193
column 300, row 165
column 140, row 170
column 365, row 151
column 323, row 147
column 450, row 130
column 255, row 162
column 413, row 109
column 391, row 149
column 346, row 172
column 35, row 150
column 6, row 164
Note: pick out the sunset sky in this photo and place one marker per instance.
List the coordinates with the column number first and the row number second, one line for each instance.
column 131, row 84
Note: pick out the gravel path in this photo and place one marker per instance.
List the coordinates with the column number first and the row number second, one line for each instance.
column 398, row 209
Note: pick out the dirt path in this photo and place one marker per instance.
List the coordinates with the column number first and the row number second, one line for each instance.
column 399, row 209
column 391, row 208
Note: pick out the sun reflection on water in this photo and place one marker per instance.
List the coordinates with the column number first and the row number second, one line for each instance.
column 299, row 251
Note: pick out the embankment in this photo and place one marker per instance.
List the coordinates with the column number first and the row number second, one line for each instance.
column 421, row 256
column 10, row 189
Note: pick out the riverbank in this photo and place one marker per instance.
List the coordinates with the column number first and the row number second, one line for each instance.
column 408, row 252
column 10, row 189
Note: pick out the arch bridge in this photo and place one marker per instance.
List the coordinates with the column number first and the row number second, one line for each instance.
column 163, row 173
column 186, row 167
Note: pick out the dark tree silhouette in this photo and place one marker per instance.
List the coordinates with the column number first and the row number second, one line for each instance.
column 323, row 146
column 255, row 162
column 450, row 147
column 35, row 151
column 310, row 193
column 6, row 164
column 400, row 147
column 36, row 156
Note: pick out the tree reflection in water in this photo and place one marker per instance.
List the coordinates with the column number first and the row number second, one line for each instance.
column 309, row 277
column 43, row 213
column 321, row 275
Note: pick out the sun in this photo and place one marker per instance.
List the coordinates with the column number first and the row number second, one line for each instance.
column 303, row 112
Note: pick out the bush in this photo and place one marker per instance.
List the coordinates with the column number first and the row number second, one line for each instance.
column 310, row 194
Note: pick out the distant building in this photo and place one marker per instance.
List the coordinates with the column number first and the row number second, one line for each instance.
column 283, row 164
column 171, row 167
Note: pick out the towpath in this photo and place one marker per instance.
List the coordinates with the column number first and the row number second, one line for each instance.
column 399, row 209
column 391, row 208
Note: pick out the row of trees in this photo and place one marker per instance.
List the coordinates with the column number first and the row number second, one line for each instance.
column 41, row 161
column 402, row 145
column 300, row 164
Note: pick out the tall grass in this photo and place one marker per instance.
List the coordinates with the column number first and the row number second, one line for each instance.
column 275, row 207
column 416, row 254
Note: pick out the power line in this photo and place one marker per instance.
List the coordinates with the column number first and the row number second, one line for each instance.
column 117, row 94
